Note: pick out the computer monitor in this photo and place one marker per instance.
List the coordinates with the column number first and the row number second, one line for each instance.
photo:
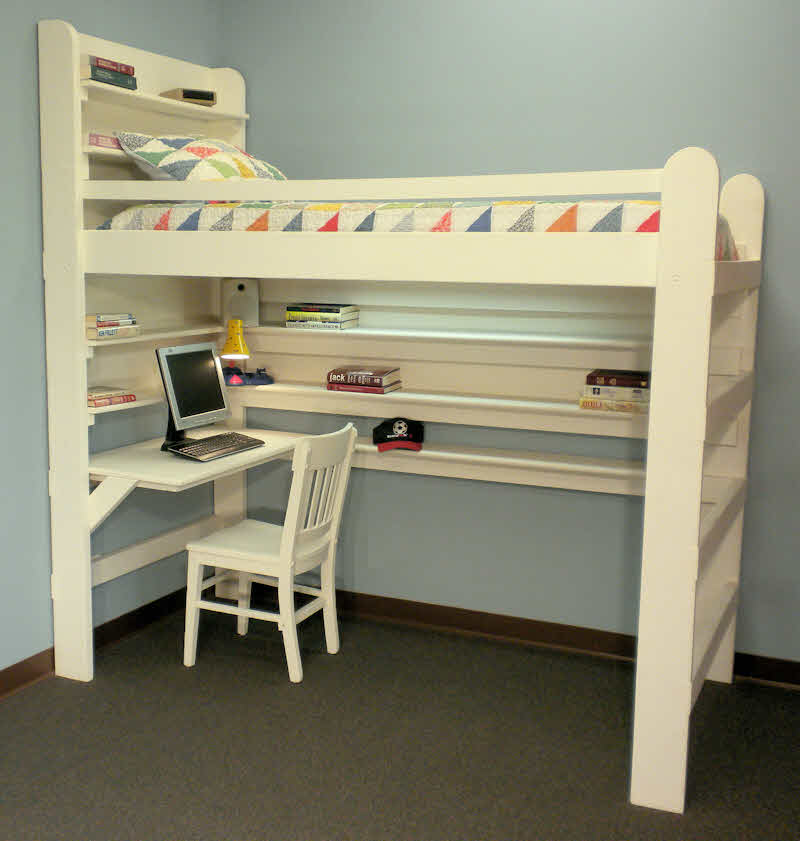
column 194, row 386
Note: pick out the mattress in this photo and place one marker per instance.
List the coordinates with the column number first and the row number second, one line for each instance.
column 439, row 217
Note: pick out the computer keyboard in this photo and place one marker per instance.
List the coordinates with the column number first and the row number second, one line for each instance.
column 215, row 446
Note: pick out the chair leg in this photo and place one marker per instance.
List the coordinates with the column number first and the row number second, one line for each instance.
column 289, row 628
column 245, row 586
column 329, row 608
column 194, row 580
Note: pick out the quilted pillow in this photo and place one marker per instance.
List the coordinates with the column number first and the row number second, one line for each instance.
column 183, row 158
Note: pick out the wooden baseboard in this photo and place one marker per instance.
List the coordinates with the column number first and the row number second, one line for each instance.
column 491, row 625
column 26, row 672
column 418, row 615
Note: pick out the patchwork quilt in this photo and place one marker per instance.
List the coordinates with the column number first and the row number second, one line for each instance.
column 438, row 216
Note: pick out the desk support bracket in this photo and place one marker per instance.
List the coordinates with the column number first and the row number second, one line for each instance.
column 106, row 497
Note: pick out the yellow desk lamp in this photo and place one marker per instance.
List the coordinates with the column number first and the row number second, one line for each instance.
column 235, row 345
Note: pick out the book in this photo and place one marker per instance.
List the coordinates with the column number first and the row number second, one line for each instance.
column 358, row 375
column 193, row 95
column 323, row 325
column 612, row 376
column 308, row 315
column 111, row 77
column 109, row 64
column 341, row 309
column 365, row 389
column 122, row 322
column 126, row 331
column 617, row 392
column 94, row 318
column 117, row 399
column 634, row 407
column 96, row 392
column 104, row 141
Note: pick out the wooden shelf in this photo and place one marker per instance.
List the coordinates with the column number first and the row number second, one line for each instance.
column 507, row 413
column 105, row 152
column 520, row 467
column 159, row 333
column 113, row 95
column 475, row 337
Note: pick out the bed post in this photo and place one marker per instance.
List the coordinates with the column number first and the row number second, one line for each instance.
column 676, row 434
column 62, row 223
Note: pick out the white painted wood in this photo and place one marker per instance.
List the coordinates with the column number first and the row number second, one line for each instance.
column 60, row 126
column 525, row 185
column 721, row 607
column 728, row 399
column 121, row 407
column 733, row 276
column 108, row 567
column 106, row 497
column 307, row 540
column 100, row 92
column 520, row 467
column 720, row 517
column 624, row 259
column 674, row 477
column 555, row 416
column 150, row 468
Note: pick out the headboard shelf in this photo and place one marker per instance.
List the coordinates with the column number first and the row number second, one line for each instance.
column 112, row 95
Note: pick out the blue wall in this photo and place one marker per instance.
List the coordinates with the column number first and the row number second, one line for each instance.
column 454, row 87
column 183, row 28
column 359, row 88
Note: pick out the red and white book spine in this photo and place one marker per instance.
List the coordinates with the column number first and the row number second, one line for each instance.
column 104, row 141
column 99, row 402
column 364, row 389
column 109, row 64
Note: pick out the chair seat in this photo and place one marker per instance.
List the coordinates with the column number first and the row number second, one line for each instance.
column 248, row 540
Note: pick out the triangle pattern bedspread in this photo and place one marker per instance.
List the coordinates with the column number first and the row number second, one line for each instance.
column 439, row 217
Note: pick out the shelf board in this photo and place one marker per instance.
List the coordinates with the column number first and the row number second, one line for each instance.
column 121, row 407
column 474, row 337
column 521, row 467
column 105, row 152
column 114, row 95
column 159, row 333
column 476, row 410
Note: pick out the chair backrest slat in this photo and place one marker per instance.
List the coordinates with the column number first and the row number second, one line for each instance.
column 322, row 466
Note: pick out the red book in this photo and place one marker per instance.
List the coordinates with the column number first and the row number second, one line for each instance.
column 365, row 389
column 105, row 141
column 108, row 64
column 111, row 401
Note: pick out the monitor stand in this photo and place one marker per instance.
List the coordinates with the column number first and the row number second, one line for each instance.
column 173, row 436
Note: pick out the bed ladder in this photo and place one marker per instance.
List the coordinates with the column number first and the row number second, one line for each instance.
column 696, row 466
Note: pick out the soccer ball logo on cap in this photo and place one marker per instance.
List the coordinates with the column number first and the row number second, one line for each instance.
column 400, row 427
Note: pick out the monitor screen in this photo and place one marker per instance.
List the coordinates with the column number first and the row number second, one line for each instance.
column 194, row 384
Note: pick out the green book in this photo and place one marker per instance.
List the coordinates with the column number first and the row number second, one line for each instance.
column 111, row 77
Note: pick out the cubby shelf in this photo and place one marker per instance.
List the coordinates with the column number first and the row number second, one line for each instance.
column 520, row 467
column 478, row 337
column 157, row 334
column 113, row 95
column 507, row 413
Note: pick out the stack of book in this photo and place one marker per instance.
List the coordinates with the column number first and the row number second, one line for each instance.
column 111, row 325
column 97, row 69
column 321, row 316
column 105, row 395
column 363, row 379
column 611, row 390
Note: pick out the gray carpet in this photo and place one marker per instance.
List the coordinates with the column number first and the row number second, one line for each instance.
column 405, row 734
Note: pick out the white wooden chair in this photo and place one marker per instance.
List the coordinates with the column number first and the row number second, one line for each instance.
column 256, row 551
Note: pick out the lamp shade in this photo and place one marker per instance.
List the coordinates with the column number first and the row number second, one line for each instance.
column 235, row 346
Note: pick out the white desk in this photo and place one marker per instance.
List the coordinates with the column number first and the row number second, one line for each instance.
column 144, row 465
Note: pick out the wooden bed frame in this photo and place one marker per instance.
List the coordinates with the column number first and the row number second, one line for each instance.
column 444, row 307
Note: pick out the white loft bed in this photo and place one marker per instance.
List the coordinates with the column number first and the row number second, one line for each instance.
column 585, row 300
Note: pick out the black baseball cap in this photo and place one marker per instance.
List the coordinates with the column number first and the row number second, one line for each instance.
column 398, row 433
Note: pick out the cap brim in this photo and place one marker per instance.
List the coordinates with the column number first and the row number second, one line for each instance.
column 399, row 445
